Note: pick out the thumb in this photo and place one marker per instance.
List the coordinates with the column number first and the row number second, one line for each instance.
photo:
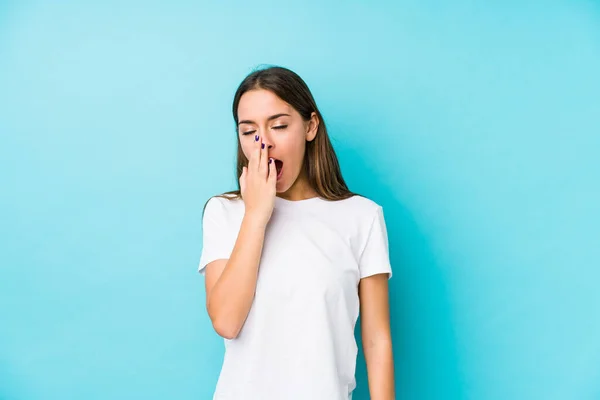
column 272, row 171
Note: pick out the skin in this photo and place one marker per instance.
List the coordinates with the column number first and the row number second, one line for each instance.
column 284, row 137
column 284, row 134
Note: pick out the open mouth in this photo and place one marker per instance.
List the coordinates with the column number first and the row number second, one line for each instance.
column 279, row 167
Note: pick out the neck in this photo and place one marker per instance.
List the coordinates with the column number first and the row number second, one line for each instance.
column 300, row 190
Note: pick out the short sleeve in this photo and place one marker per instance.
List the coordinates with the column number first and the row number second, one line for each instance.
column 374, row 258
column 217, row 240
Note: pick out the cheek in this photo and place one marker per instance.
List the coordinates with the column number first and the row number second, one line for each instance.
column 246, row 147
column 299, row 147
column 294, row 153
column 295, row 144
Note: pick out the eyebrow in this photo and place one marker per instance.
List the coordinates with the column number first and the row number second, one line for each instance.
column 247, row 121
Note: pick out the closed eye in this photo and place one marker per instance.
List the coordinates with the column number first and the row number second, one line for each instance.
column 275, row 127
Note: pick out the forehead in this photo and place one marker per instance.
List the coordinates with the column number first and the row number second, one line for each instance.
column 256, row 104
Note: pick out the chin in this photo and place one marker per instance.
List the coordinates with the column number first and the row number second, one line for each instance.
column 280, row 188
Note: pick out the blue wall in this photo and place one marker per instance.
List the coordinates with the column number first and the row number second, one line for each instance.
column 475, row 124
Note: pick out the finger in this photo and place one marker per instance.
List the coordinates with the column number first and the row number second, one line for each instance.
column 255, row 155
column 264, row 159
column 272, row 171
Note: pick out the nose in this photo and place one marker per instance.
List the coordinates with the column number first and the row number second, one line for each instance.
column 266, row 139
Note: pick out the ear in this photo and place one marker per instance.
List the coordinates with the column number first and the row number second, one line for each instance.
column 312, row 126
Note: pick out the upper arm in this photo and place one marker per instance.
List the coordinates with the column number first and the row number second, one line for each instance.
column 374, row 255
column 374, row 308
column 212, row 273
column 375, row 272
column 216, row 233
column 218, row 240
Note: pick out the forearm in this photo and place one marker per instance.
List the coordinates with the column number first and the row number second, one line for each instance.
column 232, row 295
column 380, row 368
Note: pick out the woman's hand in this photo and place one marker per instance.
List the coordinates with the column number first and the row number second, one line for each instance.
column 257, row 183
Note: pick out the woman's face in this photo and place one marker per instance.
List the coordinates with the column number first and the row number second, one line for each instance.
column 281, row 128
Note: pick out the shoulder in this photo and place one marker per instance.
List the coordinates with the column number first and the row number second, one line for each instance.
column 222, row 204
column 358, row 211
column 362, row 203
column 362, row 206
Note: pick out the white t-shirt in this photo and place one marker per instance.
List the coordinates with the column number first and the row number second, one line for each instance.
column 298, row 340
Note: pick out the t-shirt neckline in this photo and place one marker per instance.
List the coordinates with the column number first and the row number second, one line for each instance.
column 291, row 203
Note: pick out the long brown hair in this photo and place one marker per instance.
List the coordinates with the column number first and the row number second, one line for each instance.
column 320, row 161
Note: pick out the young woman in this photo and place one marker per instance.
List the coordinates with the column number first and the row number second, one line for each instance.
column 292, row 257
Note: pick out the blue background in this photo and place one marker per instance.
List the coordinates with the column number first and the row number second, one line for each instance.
column 475, row 124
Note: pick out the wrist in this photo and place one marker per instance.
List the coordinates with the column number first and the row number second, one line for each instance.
column 254, row 220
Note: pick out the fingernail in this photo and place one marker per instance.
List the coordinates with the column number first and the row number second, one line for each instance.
column 256, row 138
column 262, row 146
column 270, row 160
